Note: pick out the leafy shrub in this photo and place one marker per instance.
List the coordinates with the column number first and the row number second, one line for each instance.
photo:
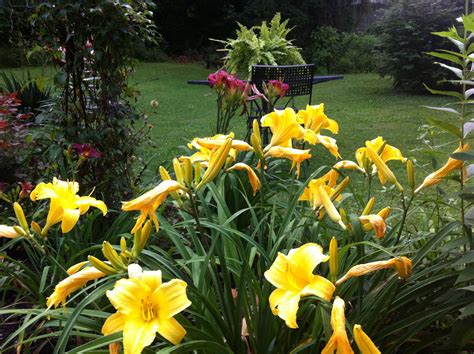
column 343, row 52
column 260, row 45
column 93, row 55
column 406, row 38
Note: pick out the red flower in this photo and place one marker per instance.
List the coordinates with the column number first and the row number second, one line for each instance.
column 3, row 124
column 86, row 151
column 218, row 79
column 277, row 87
column 26, row 188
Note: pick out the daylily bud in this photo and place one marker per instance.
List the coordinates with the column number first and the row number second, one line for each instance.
column 344, row 217
column 365, row 344
column 35, row 227
column 141, row 238
column 217, row 160
column 20, row 216
column 385, row 212
column 197, row 173
column 330, row 208
column 382, row 168
column 178, row 171
column 333, row 259
column 188, row 172
column 411, row 174
column 340, row 188
column 112, row 256
column 101, row 266
column 165, row 176
column 370, row 205
column 123, row 244
column 19, row 230
column 256, row 139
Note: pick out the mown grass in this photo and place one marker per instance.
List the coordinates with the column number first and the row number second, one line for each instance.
column 364, row 105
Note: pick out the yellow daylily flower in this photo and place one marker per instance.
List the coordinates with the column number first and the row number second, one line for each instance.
column 77, row 279
column 148, row 202
column 319, row 193
column 450, row 166
column 284, row 126
column 297, row 156
column 376, row 222
column 66, row 206
column 8, row 232
column 146, row 306
column 293, row 277
column 314, row 118
column 402, row 265
column 384, row 172
column 338, row 342
column 363, row 341
column 252, row 176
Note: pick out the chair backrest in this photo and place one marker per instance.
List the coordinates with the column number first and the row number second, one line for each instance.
column 298, row 77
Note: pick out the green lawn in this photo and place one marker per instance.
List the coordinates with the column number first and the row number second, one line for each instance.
column 364, row 105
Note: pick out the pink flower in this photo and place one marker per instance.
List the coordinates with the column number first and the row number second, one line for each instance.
column 277, row 88
column 86, row 151
column 218, row 78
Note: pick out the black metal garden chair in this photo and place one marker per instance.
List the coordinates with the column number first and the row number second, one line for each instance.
column 298, row 77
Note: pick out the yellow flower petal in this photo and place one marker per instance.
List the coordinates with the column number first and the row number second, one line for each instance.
column 138, row 334
column 330, row 144
column 284, row 126
column 171, row 330
column 69, row 219
column 319, row 286
column 365, row 344
column 76, row 267
column 252, row 176
column 288, row 308
column 376, row 222
column 114, row 323
column 75, row 281
column 450, row 166
column 148, row 202
column 172, row 299
column 297, row 156
column 307, row 257
column 127, row 294
column 275, row 298
column 338, row 341
column 384, row 172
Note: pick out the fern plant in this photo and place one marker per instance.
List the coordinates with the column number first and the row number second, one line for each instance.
column 264, row 44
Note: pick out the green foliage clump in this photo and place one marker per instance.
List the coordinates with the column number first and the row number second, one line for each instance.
column 406, row 37
column 261, row 45
column 92, row 44
column 342, row 52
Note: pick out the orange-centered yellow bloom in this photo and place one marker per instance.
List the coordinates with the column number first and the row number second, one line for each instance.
column 8, row 232
column 148, row 203
column 450, row 166
column 338, row 342
column 66, row 206
column 144, row 307
column 296, row 156
column 252, row 176
column 284, row 126
column 402, row 265
column 293, row 277
column 365, row 344
column 77, row 279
